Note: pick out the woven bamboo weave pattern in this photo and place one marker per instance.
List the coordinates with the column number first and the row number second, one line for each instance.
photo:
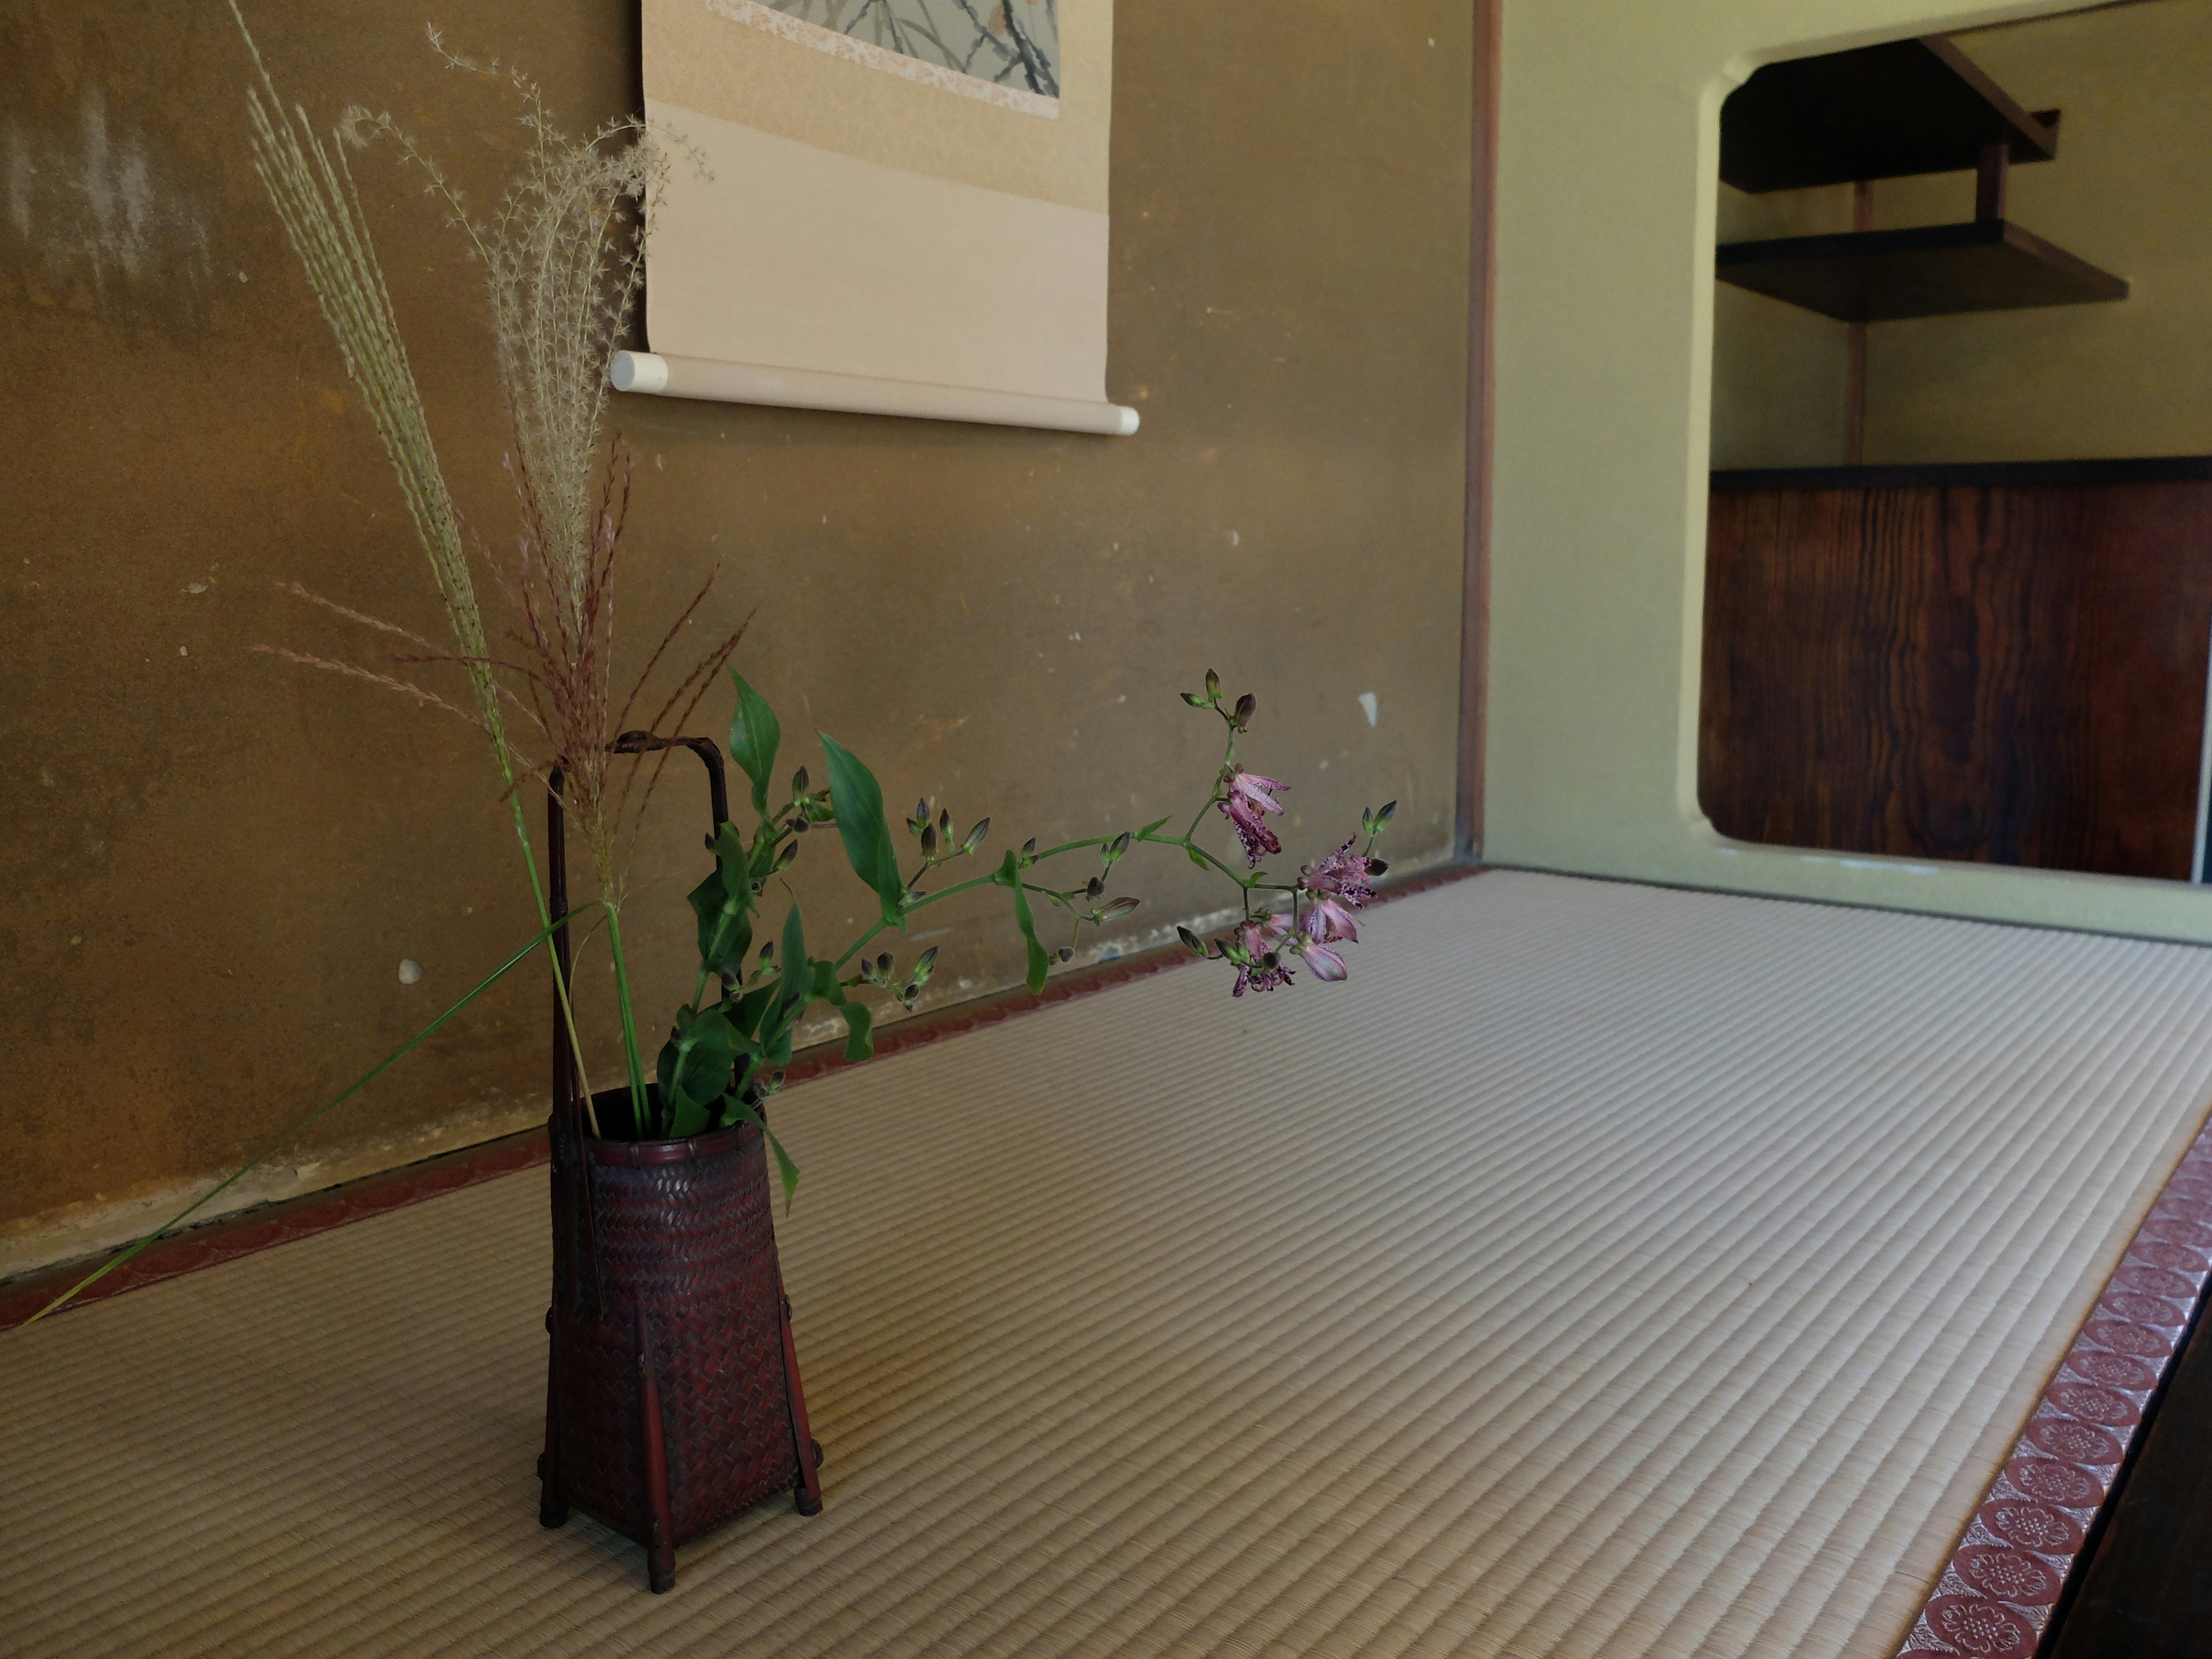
column 693, row 1240
column 1603, row 1271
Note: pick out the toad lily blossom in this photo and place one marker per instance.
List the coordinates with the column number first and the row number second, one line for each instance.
column 1256, row 949
column 1250, row 797
column 1325, row 963
column 1344, row 873
column 1268, row 944
column 1328, row 920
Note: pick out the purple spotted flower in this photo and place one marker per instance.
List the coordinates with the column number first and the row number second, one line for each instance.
column 1256, row 949
column 1249, row 800
column 1325, row 963
column 1328, row 920
column 1342, row 875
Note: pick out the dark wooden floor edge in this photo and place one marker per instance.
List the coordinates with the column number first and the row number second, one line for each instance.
column 226, row 1238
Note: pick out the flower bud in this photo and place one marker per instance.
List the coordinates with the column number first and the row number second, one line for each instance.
column 799, row 825
column 884, row 963
column 798, row 781
column 1191, row 942
column 929, row 841
column 944, row 825
column 1247, row 706
column 783, row 858
column 924, row 964
column 1028, row 850
column 1066, row 953
column 1094, row 887
column 767, row 953
column 1212, row 686
column 1194, row 699
column 1384, row 816
column 976, row 835
column 1379, row 867
column 1120, row 907
column 1116, row 848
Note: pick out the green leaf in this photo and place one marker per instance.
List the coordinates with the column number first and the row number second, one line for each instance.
column 1149, row 827
column 860, row 1025
column 747, row 1011
column 694, row 1065
column 859, row 1022
column 1010, row 876
column 754, row 737
column 787, row 1171
column 796, row 987
column 723, row 903
column 859, row 803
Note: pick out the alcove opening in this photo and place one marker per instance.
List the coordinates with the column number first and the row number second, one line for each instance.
column 1959, row 562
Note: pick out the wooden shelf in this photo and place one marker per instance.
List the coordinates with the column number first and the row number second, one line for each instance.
column 1930, row 271
column 1886, row 112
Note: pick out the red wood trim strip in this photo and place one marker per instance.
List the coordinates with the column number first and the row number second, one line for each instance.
column 2030, row 1532
column 1481, row 424
column 227, row 1238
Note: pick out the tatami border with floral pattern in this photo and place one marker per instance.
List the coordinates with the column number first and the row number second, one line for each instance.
column 2003, row 1581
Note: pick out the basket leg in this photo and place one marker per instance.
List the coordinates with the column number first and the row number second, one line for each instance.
column 807, row 1492
column 660, row 1541
column 552, row 1507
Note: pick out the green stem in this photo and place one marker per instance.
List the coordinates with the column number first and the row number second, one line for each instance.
column 545, row 919
column 303, row 1126
column 1245, row 886
column 637, row 1102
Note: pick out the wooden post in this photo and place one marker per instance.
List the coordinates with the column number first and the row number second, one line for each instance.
column 1990, row 178
column 1855, row 346
column 807, row 1496
column 552, row 1503
column 653, row 1444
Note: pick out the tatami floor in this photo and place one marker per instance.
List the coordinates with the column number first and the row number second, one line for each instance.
column 1603, row 1271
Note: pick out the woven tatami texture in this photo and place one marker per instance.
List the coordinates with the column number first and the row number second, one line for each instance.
column 1603, row 1271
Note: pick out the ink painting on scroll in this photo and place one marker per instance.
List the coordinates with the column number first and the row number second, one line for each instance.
column 1009, row 46
column 902, row 191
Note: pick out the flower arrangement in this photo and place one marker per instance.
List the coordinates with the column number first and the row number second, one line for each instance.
column 719, row 1063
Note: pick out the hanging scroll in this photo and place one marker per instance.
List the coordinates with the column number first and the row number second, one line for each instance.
column 895, row 206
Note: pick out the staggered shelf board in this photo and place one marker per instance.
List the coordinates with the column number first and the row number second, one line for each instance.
column 1886, row 112
column 1929, row 270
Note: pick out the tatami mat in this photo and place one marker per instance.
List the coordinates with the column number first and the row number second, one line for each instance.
column 1603, row 1271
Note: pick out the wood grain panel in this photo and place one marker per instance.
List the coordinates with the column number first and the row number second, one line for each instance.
column 2000, row 673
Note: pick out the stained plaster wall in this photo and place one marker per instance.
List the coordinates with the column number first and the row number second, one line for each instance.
column 1608, row 213
column 214, row 862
